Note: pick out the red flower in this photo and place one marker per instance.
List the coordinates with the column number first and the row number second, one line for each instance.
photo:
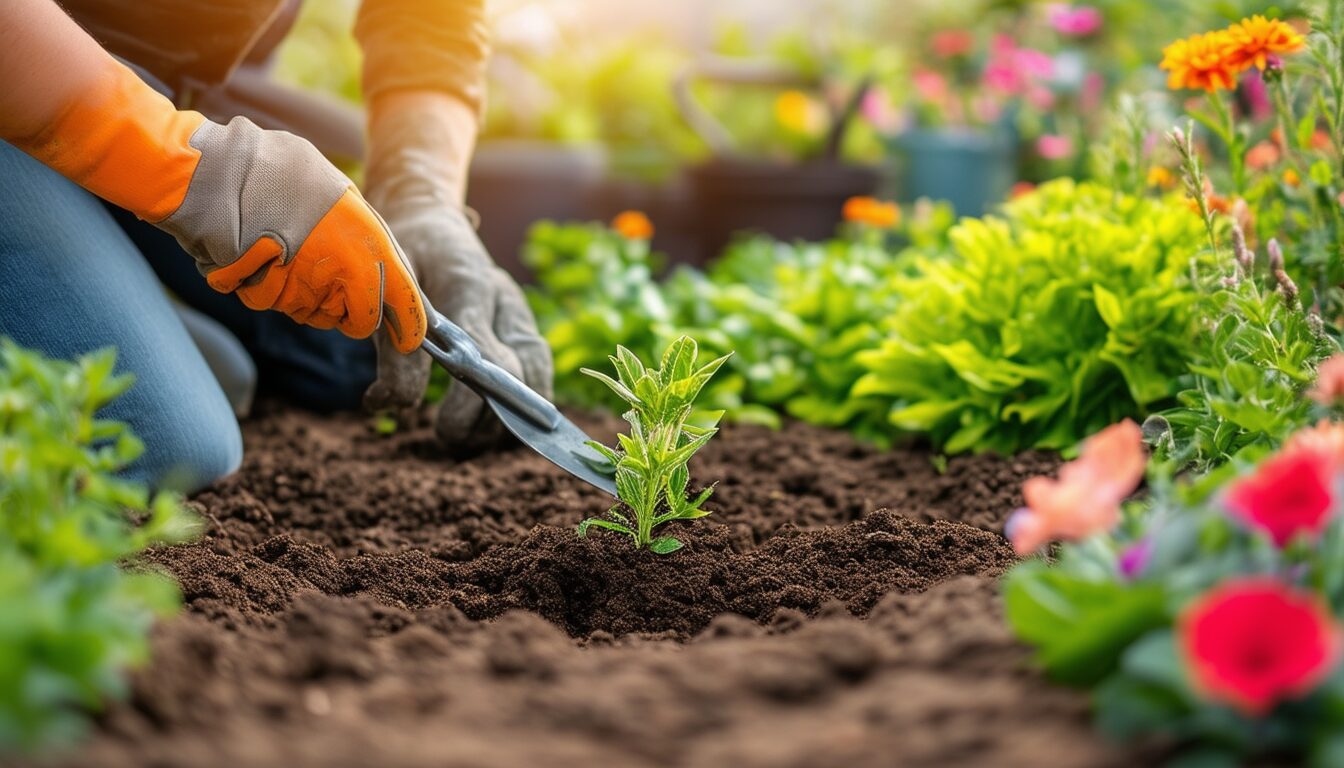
column 1289, row 494
column 1254, row 642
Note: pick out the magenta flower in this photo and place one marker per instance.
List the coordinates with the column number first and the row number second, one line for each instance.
column 1134, row 558
column 1054, row 147
column 1075, row 20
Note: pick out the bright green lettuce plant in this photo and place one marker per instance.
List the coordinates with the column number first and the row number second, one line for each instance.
column 72, row 618
column 652, row 476
column 1073, row 309
column 794, row 314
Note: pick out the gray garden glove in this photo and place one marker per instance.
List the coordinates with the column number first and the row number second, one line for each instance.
column 414, row 190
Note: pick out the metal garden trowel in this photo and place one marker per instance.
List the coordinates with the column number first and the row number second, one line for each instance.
column 528, row 415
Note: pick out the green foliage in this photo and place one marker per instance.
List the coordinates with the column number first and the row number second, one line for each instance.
column 71, row 619
column 1079, row 626
column 651, row 461
column 595, row 291
column 1073, row 310
column 793, row 314
column 614, row 92
column 1256, row 355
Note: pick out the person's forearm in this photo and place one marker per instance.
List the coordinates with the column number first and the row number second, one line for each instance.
column 420, row 144
column 70, row 104
column 46, row 62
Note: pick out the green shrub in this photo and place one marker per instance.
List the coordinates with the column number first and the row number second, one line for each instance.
column 71, row 618
column 595, row 291
column 1071, row 311
column 793, row 314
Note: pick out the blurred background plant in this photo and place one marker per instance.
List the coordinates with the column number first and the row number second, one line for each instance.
column 73, row 615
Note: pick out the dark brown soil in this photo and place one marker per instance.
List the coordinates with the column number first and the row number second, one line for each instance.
column 361, row 600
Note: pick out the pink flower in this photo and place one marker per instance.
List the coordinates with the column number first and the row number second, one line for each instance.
column 952, row 42
column 1013, row 71
column 1086, row 497
column 1075, row 21
column 1256, row 93
column 1134, row 558
column 1094, row 90
column 877, row 109
column 1289, row 494
column 1053, row 147
column 1254, row 642
column 930, row 85
column 1329, row 387
column 1327, row 437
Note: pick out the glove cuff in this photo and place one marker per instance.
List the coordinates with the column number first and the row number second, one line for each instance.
column 124, row 142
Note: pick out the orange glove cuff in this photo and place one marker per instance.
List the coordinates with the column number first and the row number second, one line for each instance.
column 124, row 142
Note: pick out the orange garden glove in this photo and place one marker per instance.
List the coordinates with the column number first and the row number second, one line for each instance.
column 262, row 212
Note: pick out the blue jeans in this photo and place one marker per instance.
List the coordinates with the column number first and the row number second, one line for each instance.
column 76, row 276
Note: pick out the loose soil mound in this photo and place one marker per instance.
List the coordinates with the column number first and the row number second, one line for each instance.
column 362, row 600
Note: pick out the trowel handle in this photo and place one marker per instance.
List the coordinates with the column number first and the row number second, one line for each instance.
column 454, row 349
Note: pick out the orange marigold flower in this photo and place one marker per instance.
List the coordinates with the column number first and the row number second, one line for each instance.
column 1161, row 177
column 871, row 212
column 633, row 225
column 1292, row 178
column 1200, row 62
column 1263, row 155
column 1251, row 42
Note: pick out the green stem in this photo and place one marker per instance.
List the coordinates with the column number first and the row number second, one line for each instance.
column 1286, row 123
column 1231, row 138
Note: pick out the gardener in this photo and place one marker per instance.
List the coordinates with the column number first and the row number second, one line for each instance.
column 261, row 216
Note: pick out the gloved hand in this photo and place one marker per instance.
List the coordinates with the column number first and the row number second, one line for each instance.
column 262, row 212
column 413, row 179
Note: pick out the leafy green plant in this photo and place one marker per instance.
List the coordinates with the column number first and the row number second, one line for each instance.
column 595, row 290
column 1072, row 310
column 71, row 618
column 794, row 314
column 1257, row 354
column 1257, row 350
column 651, row 461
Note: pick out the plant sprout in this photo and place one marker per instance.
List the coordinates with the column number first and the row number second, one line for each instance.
column 651, row 472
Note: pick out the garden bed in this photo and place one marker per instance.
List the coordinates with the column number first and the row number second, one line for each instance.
column 360, row 600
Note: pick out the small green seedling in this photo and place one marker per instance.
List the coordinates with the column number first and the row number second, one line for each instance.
column 651, row 472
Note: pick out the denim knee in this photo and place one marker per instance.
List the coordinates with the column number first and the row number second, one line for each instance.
column 188, row 446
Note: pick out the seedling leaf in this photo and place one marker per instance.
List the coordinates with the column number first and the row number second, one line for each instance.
column 666, row 545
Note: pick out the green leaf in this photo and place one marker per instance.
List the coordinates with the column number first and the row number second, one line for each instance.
column 597, row 522
column 678, row 360
column 620, row 389
column 1108, row 306
column 1079, row 627
column 665, row 545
